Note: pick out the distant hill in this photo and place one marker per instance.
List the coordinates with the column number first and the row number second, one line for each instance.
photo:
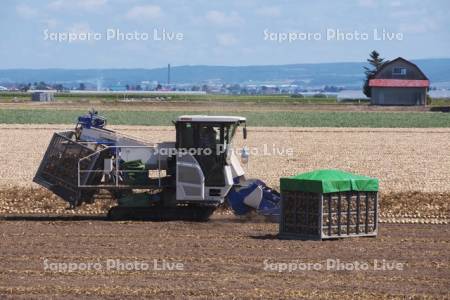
column 307, row 75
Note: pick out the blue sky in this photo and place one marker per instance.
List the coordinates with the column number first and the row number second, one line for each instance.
column 218, row 32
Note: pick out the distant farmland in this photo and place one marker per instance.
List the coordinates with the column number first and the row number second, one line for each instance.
column 274, row 118
column 118, row 96
column 146, row 97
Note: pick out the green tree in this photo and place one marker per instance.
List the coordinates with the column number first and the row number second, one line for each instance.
column 376, row 62
column 42, row 86
column 59, row 87
column 24, row 87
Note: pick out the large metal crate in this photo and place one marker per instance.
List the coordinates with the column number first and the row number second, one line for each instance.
column 307, row 215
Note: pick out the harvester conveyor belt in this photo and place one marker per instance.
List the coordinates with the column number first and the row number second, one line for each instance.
column 58, row 170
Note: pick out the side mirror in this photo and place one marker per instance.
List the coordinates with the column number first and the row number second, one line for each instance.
column 245, row 132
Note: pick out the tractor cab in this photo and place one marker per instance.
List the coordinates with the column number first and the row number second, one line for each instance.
column 204, row 154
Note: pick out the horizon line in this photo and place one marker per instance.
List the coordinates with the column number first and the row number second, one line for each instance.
column 205, row 65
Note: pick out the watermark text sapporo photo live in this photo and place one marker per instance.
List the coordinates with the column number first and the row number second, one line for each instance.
column 332, row 34
column 113, row 34
column 112, row 265
column 333, row 264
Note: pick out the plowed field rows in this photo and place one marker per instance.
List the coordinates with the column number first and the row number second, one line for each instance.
column 224, row 258
column 230, row 257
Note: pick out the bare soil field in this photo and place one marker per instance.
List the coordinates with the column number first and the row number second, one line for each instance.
column 412, row 165
column 224, row 258
column 232, row 257
column 403, row 159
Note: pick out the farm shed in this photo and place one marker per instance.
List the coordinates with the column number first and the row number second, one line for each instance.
column 42, row 96
column 399, row 82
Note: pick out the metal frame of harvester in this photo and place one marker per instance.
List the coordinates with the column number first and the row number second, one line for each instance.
column 188, row 185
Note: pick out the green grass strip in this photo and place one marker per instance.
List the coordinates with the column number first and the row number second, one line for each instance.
column 277, row 118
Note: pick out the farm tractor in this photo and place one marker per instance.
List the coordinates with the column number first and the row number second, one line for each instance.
column 182, row 180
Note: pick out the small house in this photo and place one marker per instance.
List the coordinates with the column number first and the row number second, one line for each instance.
column 399, row 82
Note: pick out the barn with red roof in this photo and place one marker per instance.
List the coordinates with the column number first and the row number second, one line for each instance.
column 399, row 82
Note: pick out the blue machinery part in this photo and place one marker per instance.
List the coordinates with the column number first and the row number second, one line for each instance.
column 254, row 195
column 92, row 119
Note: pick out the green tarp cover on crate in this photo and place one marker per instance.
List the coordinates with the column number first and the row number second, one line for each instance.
column 328, row 181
